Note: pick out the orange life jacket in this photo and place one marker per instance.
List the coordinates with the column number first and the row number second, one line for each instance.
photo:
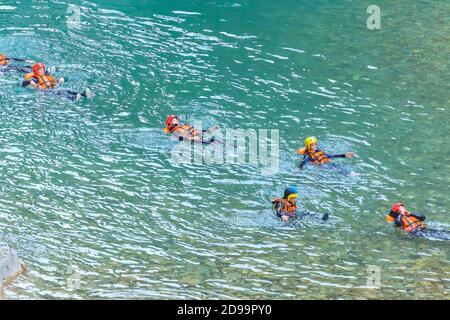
column 186, row 131
column 409, row 223
column 317, row 157
column 389, row 218
column 286, row 206
column 44, row 82
column 3, row 60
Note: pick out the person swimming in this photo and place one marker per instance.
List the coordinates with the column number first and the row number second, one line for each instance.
column 404, row 219
column 6, row 65
column 41, row 79
column 414, row 223
column 186, row 132
column 286, row 207
column 313, row 154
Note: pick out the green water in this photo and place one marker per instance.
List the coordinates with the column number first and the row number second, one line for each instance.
column 91, row 184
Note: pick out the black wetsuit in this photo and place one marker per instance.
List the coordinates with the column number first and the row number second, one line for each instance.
column 432, row 234
column 307, row 158
column 13, row 67
column 306, row 215
column 69, row 94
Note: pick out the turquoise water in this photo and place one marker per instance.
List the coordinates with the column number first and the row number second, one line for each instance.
column 90, row 186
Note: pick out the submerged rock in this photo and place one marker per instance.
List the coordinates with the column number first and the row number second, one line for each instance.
column 11, row 266
column 190, row 280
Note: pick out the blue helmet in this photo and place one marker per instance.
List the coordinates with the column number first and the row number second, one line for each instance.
column 290, row 190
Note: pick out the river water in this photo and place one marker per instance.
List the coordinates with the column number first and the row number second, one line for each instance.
column 91, row 201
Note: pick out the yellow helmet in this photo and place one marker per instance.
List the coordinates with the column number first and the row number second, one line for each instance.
column 309, row 141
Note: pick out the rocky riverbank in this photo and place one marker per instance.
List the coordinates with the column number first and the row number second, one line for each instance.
column 11, row 266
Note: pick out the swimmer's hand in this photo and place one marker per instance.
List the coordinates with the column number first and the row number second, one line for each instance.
column 211, row 129
column 349, row 154
column 61, row 80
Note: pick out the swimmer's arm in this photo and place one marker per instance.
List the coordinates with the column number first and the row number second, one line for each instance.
column 332, row 156
column 303, row 213
column 211, row 129
column 341, row 155
column 418, row 216
column 21, row 60
column 398, row 221
column 278, row 209
column 195, row 138
column 305, row 161
column 30, row 82
column 176, row 135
